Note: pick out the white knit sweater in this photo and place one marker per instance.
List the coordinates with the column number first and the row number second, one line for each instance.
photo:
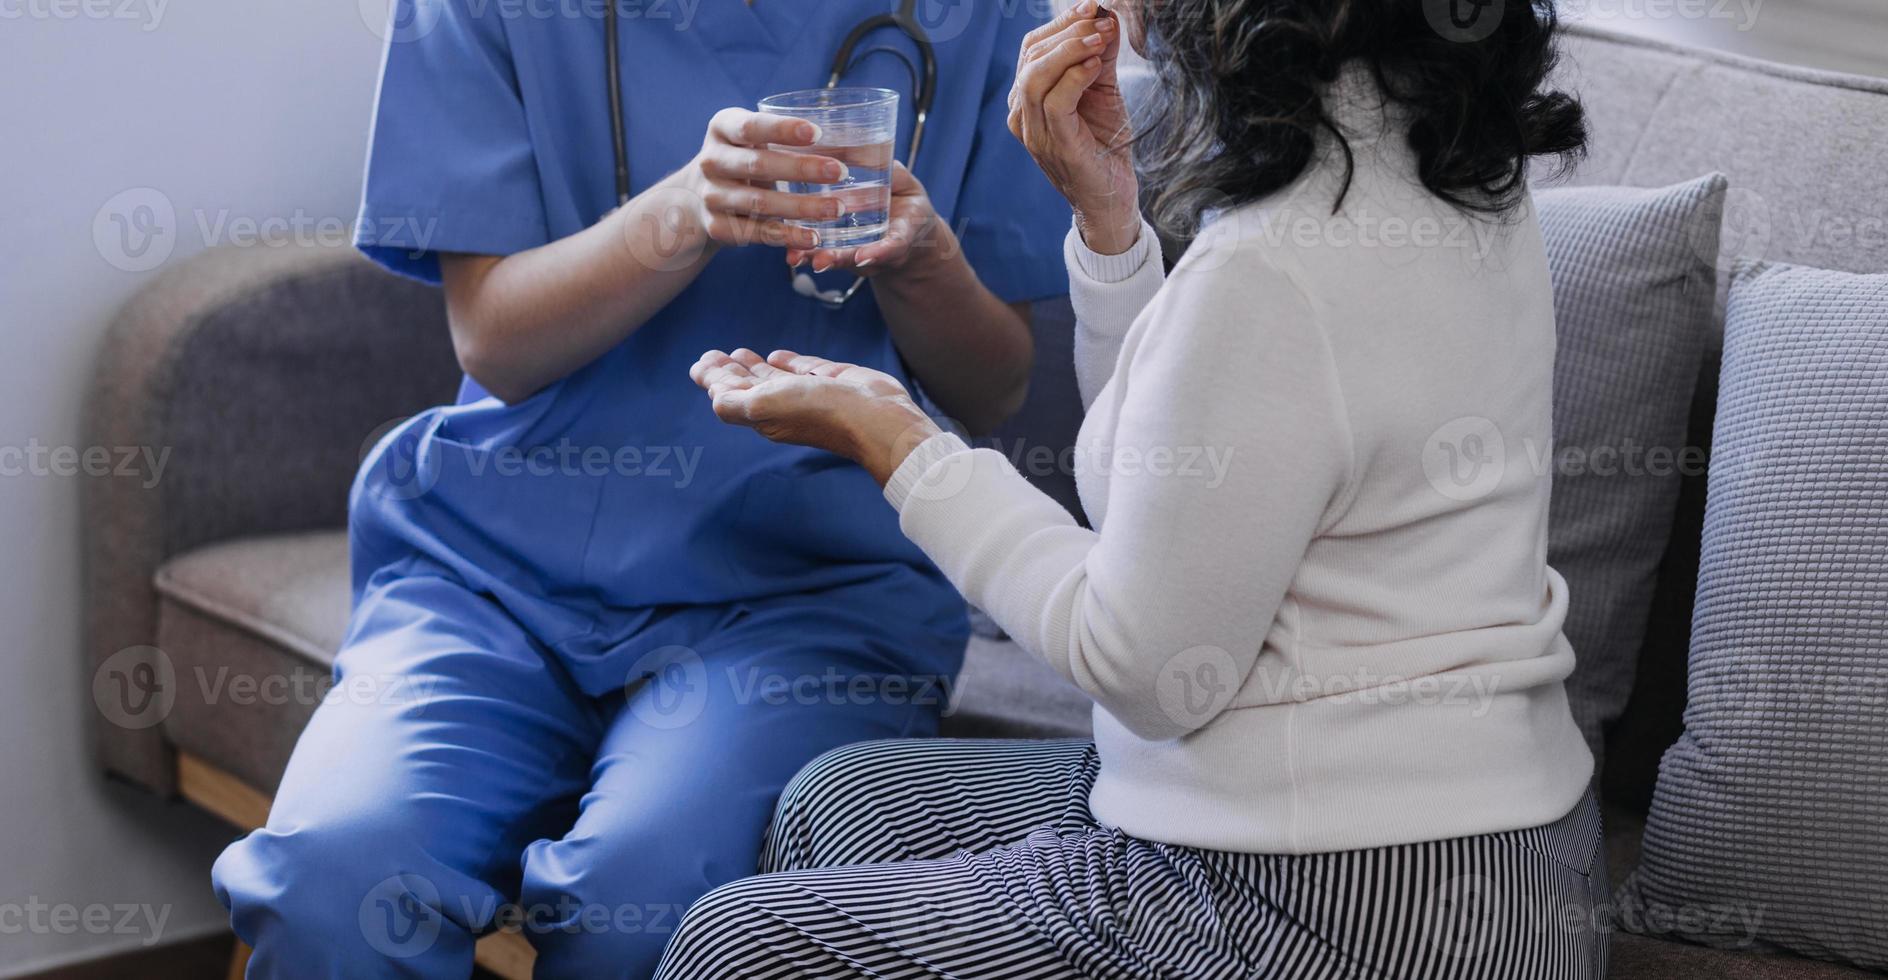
column 1315, row 613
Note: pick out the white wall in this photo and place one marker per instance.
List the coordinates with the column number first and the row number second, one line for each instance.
column 1837, row 35
column 257, row 108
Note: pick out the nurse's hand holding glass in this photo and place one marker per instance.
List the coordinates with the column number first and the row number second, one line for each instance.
column 1066, row 109
column 728, row 191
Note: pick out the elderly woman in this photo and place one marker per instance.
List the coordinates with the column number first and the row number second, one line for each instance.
column 1331, row 736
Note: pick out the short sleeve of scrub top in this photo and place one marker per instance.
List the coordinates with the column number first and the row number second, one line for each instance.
column 450, row 109
column 1016, row 254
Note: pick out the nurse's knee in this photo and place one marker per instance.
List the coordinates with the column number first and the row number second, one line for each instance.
column 819, row 810
column 331, row 900
column 607, row 906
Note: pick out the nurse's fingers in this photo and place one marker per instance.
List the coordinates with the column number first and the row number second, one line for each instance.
column 745, row 127
column 739, row 230
column 747, row 163
column 750, row 201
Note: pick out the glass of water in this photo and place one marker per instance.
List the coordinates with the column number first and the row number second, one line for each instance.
column 857, row 127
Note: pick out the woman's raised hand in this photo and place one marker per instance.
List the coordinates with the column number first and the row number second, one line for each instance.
column 730, row 183
column 1066, row 108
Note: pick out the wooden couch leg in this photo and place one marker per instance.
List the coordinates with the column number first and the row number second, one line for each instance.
column 238, row 960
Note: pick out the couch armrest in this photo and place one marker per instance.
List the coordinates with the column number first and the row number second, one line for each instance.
column 252, row 377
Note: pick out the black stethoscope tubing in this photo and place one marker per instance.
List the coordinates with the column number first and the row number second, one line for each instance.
column 904, row 20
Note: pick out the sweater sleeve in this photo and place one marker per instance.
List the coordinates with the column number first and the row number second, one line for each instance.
column 1108, row 292
column 1231, row 444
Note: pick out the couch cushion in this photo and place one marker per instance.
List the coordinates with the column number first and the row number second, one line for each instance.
column 1801, row 147
column 250, row 628
column 1634, row 293
column 1774, row 800
column 1005, row 692
column 1644, row 958
column 1806, row 188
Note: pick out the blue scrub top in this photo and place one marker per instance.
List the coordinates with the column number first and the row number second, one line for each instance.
column 611, row 512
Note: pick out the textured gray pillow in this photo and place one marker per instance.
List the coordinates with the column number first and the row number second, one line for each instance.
column 1635, row 290
column 1769, row 825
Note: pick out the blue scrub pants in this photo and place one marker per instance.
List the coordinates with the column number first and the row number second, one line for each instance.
column 460, row 767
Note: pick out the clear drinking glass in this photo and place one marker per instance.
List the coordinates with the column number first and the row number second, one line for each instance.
column 857, row 127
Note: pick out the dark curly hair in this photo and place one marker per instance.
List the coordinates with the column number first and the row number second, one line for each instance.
column 1239, row 107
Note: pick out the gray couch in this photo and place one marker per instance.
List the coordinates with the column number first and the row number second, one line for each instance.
column 267, row 372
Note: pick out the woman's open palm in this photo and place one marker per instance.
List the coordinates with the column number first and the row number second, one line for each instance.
column 805, row 400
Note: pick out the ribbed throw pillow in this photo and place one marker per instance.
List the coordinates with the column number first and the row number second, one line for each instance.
column 1635, row 289
column 1769, row 824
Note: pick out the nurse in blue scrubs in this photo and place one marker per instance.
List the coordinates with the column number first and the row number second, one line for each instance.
column 595, row 630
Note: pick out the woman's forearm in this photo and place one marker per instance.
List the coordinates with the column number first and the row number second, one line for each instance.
column 970, row 350
column 526, row 320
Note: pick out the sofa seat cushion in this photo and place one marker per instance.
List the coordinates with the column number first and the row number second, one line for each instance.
column 1644, row 958
column 250, row 628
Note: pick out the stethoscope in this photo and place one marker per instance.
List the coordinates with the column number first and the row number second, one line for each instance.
column 923, row 87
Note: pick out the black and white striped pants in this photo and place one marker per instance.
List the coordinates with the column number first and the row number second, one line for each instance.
column 980, row 859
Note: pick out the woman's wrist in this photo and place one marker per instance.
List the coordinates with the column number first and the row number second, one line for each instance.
column 881, row 437
column 1109, row 231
